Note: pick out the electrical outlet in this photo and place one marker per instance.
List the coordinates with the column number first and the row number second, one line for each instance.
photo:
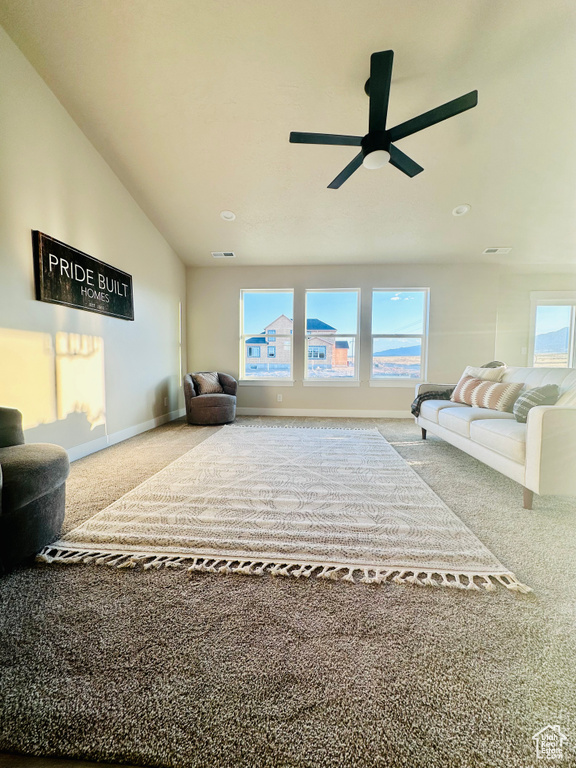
column 165, row 401
column 279, row 398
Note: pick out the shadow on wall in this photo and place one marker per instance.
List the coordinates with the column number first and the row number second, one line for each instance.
column 59, row 388
column 166, row 396
column 74, row 430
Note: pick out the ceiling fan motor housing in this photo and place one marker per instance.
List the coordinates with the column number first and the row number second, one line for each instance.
column 375, row 140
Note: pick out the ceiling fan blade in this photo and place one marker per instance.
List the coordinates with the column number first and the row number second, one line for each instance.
column 434, row 116
column 324, row 138
column 347, row 172
column 380, row 77
column 404, row 163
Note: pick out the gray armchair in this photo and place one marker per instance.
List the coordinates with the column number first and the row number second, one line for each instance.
column 212, row 408
column 32, row 492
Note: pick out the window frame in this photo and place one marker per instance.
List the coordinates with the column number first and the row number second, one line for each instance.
column 401, row 381
column 266, row 337
column 553, row 299
column 337, row 381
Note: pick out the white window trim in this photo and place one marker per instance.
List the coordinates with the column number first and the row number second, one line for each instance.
column 397, row 382
column 551, row 299
column 263, row 381
column 351, row 381
column 266, row 382
column 401, row 381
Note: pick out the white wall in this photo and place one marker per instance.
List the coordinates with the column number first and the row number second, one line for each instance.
column 463, row 309
column 513, row 330
column 53, row 180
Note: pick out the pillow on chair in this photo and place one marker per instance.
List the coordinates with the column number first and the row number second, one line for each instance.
column 207, row 383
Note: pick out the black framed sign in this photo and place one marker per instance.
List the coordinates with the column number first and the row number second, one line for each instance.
column 64, row 275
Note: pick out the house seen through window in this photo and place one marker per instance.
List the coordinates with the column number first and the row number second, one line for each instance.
column 265, row 340
column 332, row 335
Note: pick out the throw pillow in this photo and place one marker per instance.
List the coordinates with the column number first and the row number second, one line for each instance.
column 486, row 394
column 546, row 395
column 485, row 373
column 207, row 383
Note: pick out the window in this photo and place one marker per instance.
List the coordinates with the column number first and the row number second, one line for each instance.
column 399, row 334
column 265, row 335
column 332, row 335
column 553, row 334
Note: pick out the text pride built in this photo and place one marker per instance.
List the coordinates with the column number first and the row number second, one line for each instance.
column 65, row 275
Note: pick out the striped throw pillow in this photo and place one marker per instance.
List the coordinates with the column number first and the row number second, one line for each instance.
column 486, row 394
column 546, row 395
column 207, row 383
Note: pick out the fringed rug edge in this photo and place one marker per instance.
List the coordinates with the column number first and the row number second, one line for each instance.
column 364, row 574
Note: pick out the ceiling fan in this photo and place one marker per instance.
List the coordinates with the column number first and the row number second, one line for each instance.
column 377, row 146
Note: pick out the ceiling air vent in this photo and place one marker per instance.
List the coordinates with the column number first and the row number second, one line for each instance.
column 496, row 251
column 223, row 255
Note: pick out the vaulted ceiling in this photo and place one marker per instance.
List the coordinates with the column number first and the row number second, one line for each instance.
column 191, row 102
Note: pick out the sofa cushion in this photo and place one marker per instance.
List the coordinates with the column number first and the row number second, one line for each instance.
column 217, row 400
column 565, row 378
column 568, row 399
column 546, row 395
column 459, row 419
column 31, row 471
column 431, row 408
column 505, row 436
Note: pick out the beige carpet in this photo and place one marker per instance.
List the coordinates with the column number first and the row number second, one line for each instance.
column 333, row 503
column 158, row 668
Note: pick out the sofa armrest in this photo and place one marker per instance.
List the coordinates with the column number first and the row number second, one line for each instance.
column 10, row 427
column 421, row 389
column 551, row 450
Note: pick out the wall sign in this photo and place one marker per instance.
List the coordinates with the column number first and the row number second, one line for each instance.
column 64, row 275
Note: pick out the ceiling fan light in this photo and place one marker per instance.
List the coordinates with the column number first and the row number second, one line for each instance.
column 376, row 159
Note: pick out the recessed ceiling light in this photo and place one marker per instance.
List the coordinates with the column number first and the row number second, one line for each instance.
column 461, row 210
column 228, row 215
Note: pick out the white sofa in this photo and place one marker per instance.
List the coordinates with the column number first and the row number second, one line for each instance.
column 540, row 455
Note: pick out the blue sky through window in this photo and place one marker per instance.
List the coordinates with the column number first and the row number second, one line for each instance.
column 260, row 309
column 551, row 318
column 396, row 312
column 337, row 308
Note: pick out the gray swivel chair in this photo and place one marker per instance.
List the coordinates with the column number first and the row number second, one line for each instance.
column 32, row 492
column 213, row 407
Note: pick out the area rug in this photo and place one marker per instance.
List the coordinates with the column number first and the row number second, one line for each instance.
column 299, row 502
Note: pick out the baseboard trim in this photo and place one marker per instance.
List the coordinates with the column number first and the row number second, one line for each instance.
column 85, row 449
column 323, row 413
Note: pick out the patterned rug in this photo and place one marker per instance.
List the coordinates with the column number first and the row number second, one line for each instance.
column 300, row 502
